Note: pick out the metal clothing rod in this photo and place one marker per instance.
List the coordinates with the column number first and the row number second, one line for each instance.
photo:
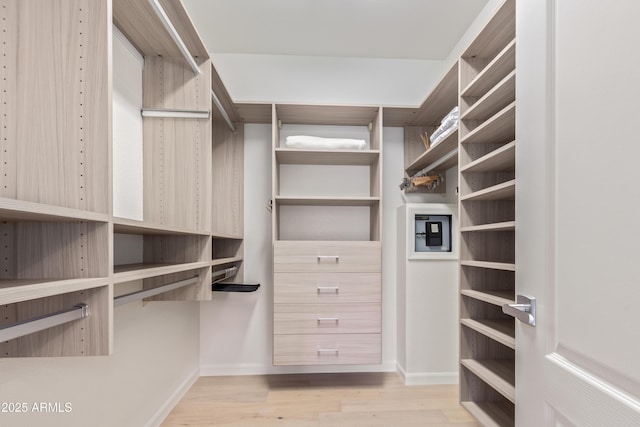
column 220, row 108
column 226, row 273
column 41, row 323
column 157, row 7
column 136, row 296
column 175, row 114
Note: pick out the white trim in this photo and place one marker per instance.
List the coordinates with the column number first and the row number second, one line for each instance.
column 428, row 378
column 220, row 370
column 173, row 400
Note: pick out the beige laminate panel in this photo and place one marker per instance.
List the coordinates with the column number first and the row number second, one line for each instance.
column 327, row 318
column 320, row 256
column 327, row 349
column 49, row 158
column 228, row 180
column 177, row 172
column 331, row 288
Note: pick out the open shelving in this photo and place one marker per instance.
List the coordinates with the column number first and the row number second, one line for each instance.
column 61, row 243
column 487, row 182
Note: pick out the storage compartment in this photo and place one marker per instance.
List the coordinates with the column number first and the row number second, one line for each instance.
column 327, row 349
column 320, row 257
column 330, row 288
column 327, row 318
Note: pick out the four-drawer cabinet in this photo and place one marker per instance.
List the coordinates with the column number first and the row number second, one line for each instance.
column 327, row 299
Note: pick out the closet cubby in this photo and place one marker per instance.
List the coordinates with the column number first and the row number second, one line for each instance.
column 488, row 222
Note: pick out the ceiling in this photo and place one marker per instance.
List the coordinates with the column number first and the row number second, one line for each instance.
column 399, row 29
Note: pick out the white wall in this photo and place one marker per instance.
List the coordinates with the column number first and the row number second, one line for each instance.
column 155, row 357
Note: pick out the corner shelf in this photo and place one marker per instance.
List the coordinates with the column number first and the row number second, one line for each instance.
column 503, row 191
column 433, row 154
column 502, row 94
column 501, row 159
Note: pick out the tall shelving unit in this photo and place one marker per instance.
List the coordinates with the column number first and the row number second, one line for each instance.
column 59, row 240
column 55, row 174
column 487, row 221
column 327, row 282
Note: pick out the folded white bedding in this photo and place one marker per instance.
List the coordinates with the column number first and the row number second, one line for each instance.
column 320, row 143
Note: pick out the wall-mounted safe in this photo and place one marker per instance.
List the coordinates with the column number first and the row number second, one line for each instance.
column 432, row 233
column 431, row 230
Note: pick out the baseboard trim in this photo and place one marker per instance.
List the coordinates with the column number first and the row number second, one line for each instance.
column 173, row 400
column 259, row 369
column 428, row 378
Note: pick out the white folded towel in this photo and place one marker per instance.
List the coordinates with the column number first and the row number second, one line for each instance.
column 320, row 143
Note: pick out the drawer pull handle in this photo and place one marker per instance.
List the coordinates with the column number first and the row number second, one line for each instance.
column 328, row 350
column 326, row 257
column 328, row 319
column 328, row 288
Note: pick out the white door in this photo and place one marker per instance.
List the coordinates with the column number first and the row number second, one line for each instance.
column 578, row 212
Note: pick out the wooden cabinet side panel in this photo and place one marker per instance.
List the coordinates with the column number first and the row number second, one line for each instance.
column 59, row 133
column 228, row 180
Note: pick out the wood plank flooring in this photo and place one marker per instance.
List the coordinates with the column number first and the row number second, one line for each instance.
column 318, row 400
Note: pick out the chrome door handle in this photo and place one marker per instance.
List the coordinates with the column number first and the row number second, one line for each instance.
column 524, row 309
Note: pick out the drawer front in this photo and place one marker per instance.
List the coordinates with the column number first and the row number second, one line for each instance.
column 312, row 257
column 327, row 318
column 327, row 349
column 312, row 288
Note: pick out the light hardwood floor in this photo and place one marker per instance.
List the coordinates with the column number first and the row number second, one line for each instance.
column 318, row 400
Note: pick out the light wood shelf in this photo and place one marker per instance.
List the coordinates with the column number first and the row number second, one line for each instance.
column 489, row 265
column 499, row 226
column 430, row 156
column 326, row 157
column 13, row 291
column 502, row 331
column 498, row 128
column 489, row 414
column 20, row 210
column 498, row 97
column 129, row 226
column 333, row 115
column 495, row 297
column 327, row 201
column 129, row 272
column 499, row 374
column 223, row 261
column 503, row 191
column 499, row 67
column 500, row 160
